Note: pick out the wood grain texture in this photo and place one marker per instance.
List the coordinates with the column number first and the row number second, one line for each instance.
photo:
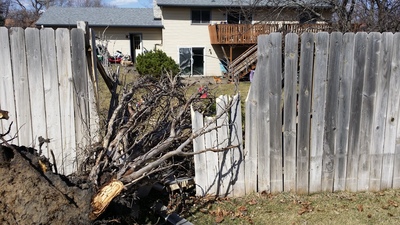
column 343, row 119
column 304, row 116
column 318, row 110
column 290, row 111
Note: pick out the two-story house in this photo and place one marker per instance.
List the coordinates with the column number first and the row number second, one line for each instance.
column 202, row 36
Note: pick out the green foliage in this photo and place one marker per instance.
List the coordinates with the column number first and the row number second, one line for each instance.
column 155, row 63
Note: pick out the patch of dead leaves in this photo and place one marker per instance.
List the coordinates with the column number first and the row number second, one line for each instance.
column 305, row 208
column 221, row 214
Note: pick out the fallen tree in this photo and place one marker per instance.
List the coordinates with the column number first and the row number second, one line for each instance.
column 146, row 146
column 149, row 134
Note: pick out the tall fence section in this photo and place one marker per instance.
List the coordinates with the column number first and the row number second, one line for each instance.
column 47, row 89
column 321, row 115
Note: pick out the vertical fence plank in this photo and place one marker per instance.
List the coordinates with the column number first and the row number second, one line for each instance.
column 367, row 111
column 274, row 72
column 51, row 94
column 36, row 90
column 225, row 160
column 236, row 138
column 289, row 112
column 392, row 122
column 318, row 110
column 382, row 74
column 396, row 166
column 343, row 118
column 94, row 124
column 6, row 86
column 21, row 86
column 250, row 147
column 355, row 111
column 199, row 160
column 212, row 176
column 79, row 73
column 262, row 116
column 334, row 70
column 303, row 141
column 64, row 70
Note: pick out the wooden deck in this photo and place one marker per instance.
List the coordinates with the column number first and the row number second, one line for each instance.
column 248, row 33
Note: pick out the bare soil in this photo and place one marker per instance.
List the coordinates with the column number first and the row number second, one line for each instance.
column 30, row 193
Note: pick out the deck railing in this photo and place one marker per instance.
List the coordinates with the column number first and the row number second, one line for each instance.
column 248, row 33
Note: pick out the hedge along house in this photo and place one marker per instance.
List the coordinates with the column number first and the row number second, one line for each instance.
column 129, row 30
column 203, row 35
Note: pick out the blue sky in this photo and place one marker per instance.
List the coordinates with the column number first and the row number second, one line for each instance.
column 130, row 3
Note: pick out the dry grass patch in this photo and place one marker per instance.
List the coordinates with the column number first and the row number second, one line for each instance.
column 285, row 208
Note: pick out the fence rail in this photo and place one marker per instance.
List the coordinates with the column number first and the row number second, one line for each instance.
column 46, row 87
column 323, row 116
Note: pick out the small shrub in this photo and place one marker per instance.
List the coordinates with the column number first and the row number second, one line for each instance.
column 154, row 63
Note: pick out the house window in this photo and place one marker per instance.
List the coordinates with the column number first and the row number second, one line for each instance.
column 201, row 16
column 307, row 17
column 239, row 18
column 191, row 60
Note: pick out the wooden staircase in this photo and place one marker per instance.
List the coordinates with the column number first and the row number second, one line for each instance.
column 243, row 64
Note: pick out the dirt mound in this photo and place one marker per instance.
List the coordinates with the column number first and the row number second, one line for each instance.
column 30, row 193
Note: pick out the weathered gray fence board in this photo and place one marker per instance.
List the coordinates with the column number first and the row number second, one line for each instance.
column 236, row 138
column 368, row 111
column 334, row 71
column 51, row 94
column 274, row 72
column 36, row 94
column 392, row 118
column 355, row 111
column 262, row 117
column 250, row 152
column 21, row 86
column 224, row 158
column 211, row 158
column 90, row 38
column 6, row 85
column 343, row 118
column 396, row 166
column 303, row 141
column 289, row 112
column 199, row 159
column 382, row 74
column 79, row 74
column 318, row 110
column 64, row 71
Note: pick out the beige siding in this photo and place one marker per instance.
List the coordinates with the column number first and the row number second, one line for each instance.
column 179, row 32
column 118, row 40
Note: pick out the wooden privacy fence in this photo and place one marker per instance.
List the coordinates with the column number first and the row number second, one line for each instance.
column 219, row 173
column 321, row 115
column 46, row 87
column 334, row 129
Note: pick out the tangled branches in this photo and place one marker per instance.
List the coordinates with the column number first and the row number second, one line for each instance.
column 150, row 125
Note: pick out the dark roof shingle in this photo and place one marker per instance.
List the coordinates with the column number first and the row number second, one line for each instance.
column 234, row 3
column 117, row 17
